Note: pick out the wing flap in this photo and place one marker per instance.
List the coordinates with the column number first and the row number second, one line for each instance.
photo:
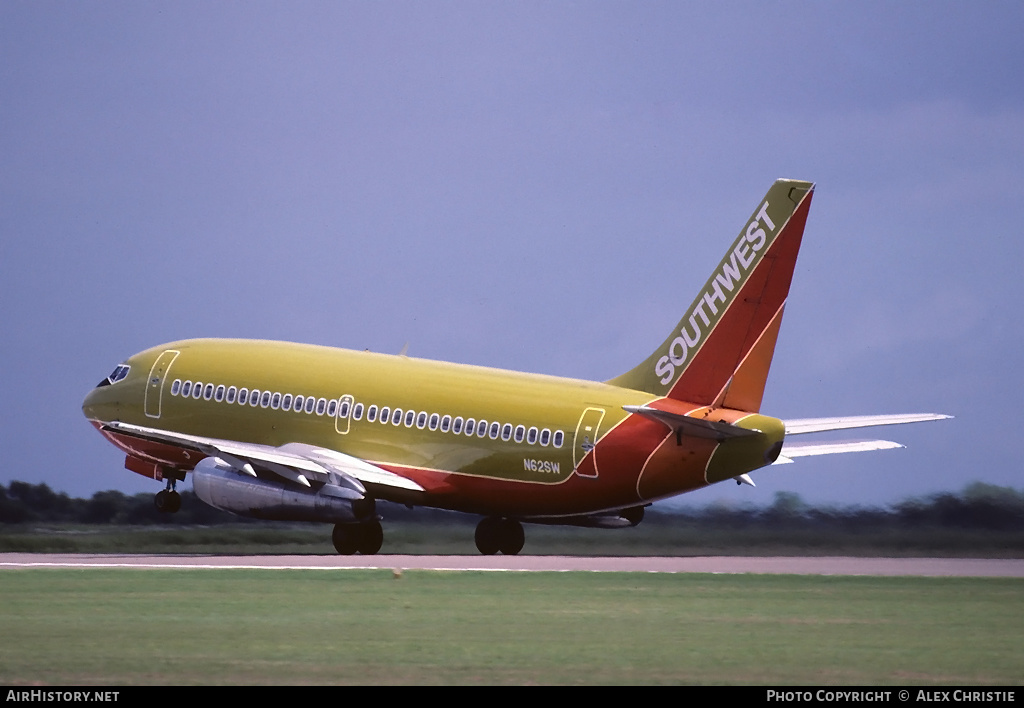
column 347, row 464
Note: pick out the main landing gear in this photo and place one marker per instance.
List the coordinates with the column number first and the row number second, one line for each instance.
column 495, row 534
column 365, row 538
column 168, row 501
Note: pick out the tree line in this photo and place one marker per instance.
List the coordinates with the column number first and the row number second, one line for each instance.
column 979, row 506
column 22, row 502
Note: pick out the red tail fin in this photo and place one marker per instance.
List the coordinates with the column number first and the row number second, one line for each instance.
column 720, row 352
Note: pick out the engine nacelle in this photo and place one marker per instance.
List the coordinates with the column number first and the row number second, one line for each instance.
column 222, row 487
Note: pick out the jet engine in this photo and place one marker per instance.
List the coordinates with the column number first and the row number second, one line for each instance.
column 223, row 487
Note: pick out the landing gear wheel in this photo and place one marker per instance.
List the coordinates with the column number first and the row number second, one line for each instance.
column 488, row 535
column 173, row 502
column 494, row 534
column 346, row 538
column 365, row 538
column 167, row 501
column 371, row 538
column 512, row 537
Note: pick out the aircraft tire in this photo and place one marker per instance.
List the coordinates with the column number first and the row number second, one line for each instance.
column 346, row 538
column 512, row 537
column 371, row 538
column 160, row 501
column 488, row 536
column 173, row 502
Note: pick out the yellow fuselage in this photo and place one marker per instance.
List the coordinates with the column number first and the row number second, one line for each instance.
column 538, row 445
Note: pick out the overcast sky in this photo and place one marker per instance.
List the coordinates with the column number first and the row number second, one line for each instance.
column 535, row 186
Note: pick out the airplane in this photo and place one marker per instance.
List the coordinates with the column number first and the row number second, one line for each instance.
column 298, row 432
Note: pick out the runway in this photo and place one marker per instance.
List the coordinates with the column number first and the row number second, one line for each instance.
column 828, row 565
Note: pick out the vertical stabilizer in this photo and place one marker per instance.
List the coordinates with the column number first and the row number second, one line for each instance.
column 720, row 351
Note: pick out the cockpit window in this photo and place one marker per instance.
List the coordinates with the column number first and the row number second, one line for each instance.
column 119, row 373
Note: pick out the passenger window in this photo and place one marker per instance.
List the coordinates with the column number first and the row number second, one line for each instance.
column 175, row 387
column 421, row 420
column 446, row 423
column 396, row 417
column 520, row 433
column 495, row 429
column 343, row 413
column 186, row 389
column 471, row 426
column 531, row 437
column 371, row 414
column 208, row 392
column 243, row 396
column 197, row 390
column 321, row 406
column 410, row 416
column 310, row 404
column 545, row 437
column 265, row 399
column 232, row 392
column 299, row 402
column 275, row 402
column 332, row 407
column 506, row 431
column 559, row 437
column 385, row 414
column 218, row 395
column 286, row 402
column 456, row 425
column 357, row 412
column 481, row 428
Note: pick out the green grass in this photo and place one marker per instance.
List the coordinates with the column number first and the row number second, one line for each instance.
column 123, row 627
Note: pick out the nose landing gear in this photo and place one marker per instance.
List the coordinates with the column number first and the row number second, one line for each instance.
column 168, row 501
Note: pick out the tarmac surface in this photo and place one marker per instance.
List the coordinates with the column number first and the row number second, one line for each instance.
column 829, row 565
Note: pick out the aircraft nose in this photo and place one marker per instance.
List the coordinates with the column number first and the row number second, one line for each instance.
column 89, row 404
column 101, row 403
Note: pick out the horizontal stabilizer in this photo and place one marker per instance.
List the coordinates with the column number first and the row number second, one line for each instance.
column 694, row 427
column 817, row 425
column 791, row 450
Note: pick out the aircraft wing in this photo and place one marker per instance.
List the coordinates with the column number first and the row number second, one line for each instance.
column 296, row 462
